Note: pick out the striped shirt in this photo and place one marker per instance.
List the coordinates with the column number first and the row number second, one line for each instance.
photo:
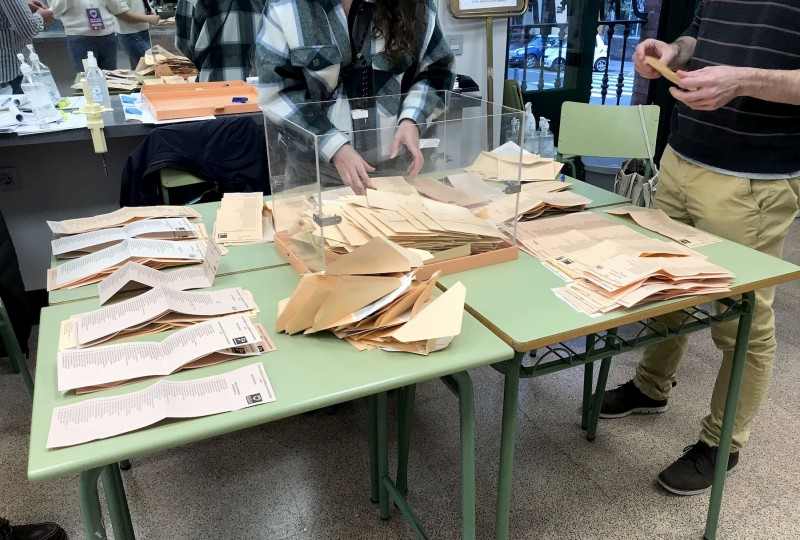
column 304, row 45
column 219, row 36
column 748, row 137
column 17, row 28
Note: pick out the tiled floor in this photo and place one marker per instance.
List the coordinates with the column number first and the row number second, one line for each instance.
column 307, row 477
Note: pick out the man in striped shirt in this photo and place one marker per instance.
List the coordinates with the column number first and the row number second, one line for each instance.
column 732, row 168
column 219, row 36
column 20, row 20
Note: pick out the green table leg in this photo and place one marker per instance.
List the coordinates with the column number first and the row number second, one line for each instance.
column 117, row 503
column 731, row 404
column 373, row 449
column 594, row 413
column 466, row 407
column 90, row 505
column 383, row 453
column 405, row 410
column 504, row 483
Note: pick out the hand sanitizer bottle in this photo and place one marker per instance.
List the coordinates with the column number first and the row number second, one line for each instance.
column 546, row 145
column 42, row 72
column 37, row 93
column 531, row 143
column 97, row 82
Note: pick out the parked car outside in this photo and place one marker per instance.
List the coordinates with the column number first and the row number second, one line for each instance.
column 553, row 58
column 516, row 57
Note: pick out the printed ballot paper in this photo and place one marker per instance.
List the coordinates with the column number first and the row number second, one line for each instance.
column 120, row 217
column 68, row 247
column 240, row 218
column 132, row 276
column 199, row 345
column 658, row 221
column 156, row 310
column 96, row 266
column 101, row 418
column 369, row 297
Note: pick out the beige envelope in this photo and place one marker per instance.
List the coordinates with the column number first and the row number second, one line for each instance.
column 297, row 304
column 413, row 301
column 439, row 191
column 393, row 184
column 378, row 256
column 440, row 318
column 351, row 294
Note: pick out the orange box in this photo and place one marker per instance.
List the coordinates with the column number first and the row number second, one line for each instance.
column 168, row 102
column 505, row 252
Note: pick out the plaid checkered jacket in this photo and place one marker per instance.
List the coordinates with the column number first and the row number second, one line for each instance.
column 304, row 44
column 219, row 36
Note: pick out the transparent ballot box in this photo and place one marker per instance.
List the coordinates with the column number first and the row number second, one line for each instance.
column 435, row 172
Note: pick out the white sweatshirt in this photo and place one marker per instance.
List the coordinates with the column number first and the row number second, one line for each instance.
column 134, row 6
column 74, row 15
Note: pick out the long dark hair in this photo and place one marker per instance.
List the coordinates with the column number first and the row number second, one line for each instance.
column 397, row 21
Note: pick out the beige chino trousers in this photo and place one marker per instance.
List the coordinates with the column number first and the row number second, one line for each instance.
column 756, row 214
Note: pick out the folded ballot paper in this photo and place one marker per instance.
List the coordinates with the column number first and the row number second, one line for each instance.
column 370, row 298
column 154, row 311
column 510, row 163
column 135, row 276
column 70, row 247
column 97, row 266
column 203, row 344
column 120, row 217
column 538, row 199
column 658, row 221
column 101, row 418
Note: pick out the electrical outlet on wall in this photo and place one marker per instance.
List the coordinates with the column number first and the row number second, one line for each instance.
column 9, row 180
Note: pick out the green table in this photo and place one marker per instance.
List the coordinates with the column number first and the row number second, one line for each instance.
column 515, row 301
column 239, row 259
column 307, row 373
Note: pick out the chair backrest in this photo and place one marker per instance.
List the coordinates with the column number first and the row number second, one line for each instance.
column 606, row 131
column 512, row 95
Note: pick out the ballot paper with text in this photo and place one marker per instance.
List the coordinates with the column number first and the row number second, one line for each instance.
column 96, row 266
column 155, row 229
column 194, row 346
column 120, row 217
column 240, row 218
column 133, row 276
column 101, row 418
column 159, row 306
column 657, row 220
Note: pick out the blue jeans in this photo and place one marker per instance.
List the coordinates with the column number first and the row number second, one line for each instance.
column 134, row 45
column 103, row 47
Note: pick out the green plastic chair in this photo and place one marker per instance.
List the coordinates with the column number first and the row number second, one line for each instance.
column 18, row 363
column 172, row 179
column 605, row 131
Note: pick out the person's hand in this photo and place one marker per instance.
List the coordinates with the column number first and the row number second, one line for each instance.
column 153, row 19
column 353, row 169
column 715, row 87
column 408, row 135
column 35, row 5
column 47, row 16
column 657, row 49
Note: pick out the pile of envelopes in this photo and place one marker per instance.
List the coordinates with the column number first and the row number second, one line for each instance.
column 536, row 200
column 370, row 298
column 612, row 267
column 508, row 163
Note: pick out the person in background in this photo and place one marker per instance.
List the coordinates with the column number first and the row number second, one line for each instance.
column 20, row 21
column 732, row 168
column 370, row 51
column 219, row 36
column 90, row 26
column 133, row 33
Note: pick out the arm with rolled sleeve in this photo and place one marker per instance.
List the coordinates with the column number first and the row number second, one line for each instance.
column 22, row 21
column 283, row 91
column 435, row 73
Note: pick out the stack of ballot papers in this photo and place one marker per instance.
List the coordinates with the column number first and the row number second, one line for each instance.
column 203, row 344
column 154, row 311
column 241, row 220
column 133, row 276
column 410, row 220
column 370, row 298
column 536, row 200
column 508, row 163
column 70, row 247
column 119, row 218
column 97, row 266
column 658, row 221
column 101, row 418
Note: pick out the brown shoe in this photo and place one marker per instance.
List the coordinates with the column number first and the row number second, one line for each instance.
column 36, row 531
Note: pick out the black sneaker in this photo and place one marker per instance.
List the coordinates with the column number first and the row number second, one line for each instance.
column 626, row 399
column 693, row 473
